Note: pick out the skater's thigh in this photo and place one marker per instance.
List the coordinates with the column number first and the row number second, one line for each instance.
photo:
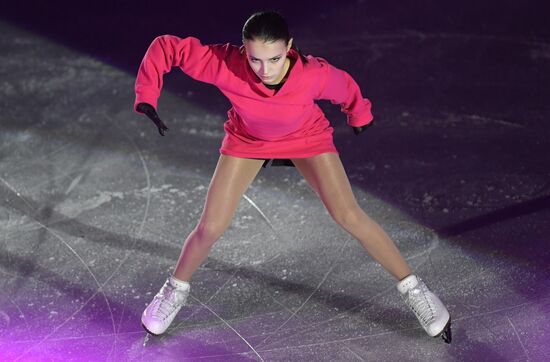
column 327, row 177
column 231, row 178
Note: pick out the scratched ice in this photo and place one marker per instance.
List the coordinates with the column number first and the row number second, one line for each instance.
column 95, row 206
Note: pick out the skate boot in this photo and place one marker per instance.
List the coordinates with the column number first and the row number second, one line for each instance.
column 165, row 305
column 428, row 309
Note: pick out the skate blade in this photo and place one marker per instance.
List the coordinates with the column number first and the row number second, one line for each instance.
column 446, row 333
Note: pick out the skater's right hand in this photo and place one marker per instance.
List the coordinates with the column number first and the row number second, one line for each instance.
column 358, row 130
column 149, row 110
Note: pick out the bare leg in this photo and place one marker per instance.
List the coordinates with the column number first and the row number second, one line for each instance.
column 327, row 177
column 230, row 180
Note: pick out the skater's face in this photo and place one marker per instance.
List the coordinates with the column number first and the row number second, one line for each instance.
column 268, row 59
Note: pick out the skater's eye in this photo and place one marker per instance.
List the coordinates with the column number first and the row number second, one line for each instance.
column 273, row 60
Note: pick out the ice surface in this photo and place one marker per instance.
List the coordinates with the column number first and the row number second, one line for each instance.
column 94, row 208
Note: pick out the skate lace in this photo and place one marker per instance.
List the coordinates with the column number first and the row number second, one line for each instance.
column 421, row 305
column 167, row 303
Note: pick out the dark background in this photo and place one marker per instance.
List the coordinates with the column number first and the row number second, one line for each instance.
column 114, row 30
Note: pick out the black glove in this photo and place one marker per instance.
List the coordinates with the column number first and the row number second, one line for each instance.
column 358, row 130
column 149, row 110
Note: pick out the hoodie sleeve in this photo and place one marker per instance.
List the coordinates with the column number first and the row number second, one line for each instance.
column 339, row 87
column 201, row 62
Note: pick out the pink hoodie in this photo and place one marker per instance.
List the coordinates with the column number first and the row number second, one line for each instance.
column 261, row 123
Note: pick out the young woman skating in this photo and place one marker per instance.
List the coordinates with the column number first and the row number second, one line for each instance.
column 272, row 88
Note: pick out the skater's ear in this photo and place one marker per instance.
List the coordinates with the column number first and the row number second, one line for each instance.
column 289, row 45
column 242, row 49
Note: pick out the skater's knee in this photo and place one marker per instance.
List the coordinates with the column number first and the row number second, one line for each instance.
column 209, row 232
column 348, row 216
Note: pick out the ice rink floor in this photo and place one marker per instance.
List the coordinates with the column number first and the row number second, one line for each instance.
column 95, row 206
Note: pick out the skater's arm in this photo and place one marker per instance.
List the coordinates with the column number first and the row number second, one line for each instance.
column 201, row 62
column 339, row 87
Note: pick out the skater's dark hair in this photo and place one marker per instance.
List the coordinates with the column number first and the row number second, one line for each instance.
column 268, row 26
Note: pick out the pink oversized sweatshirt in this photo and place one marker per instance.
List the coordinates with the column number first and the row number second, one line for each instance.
column 262, row 123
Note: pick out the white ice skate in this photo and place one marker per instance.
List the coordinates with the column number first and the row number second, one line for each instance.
column 428, row 309
column 166, row 304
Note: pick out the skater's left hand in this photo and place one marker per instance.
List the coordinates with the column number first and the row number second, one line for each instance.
column 358, row 130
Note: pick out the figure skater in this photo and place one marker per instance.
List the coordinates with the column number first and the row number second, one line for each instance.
column 272, row 88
